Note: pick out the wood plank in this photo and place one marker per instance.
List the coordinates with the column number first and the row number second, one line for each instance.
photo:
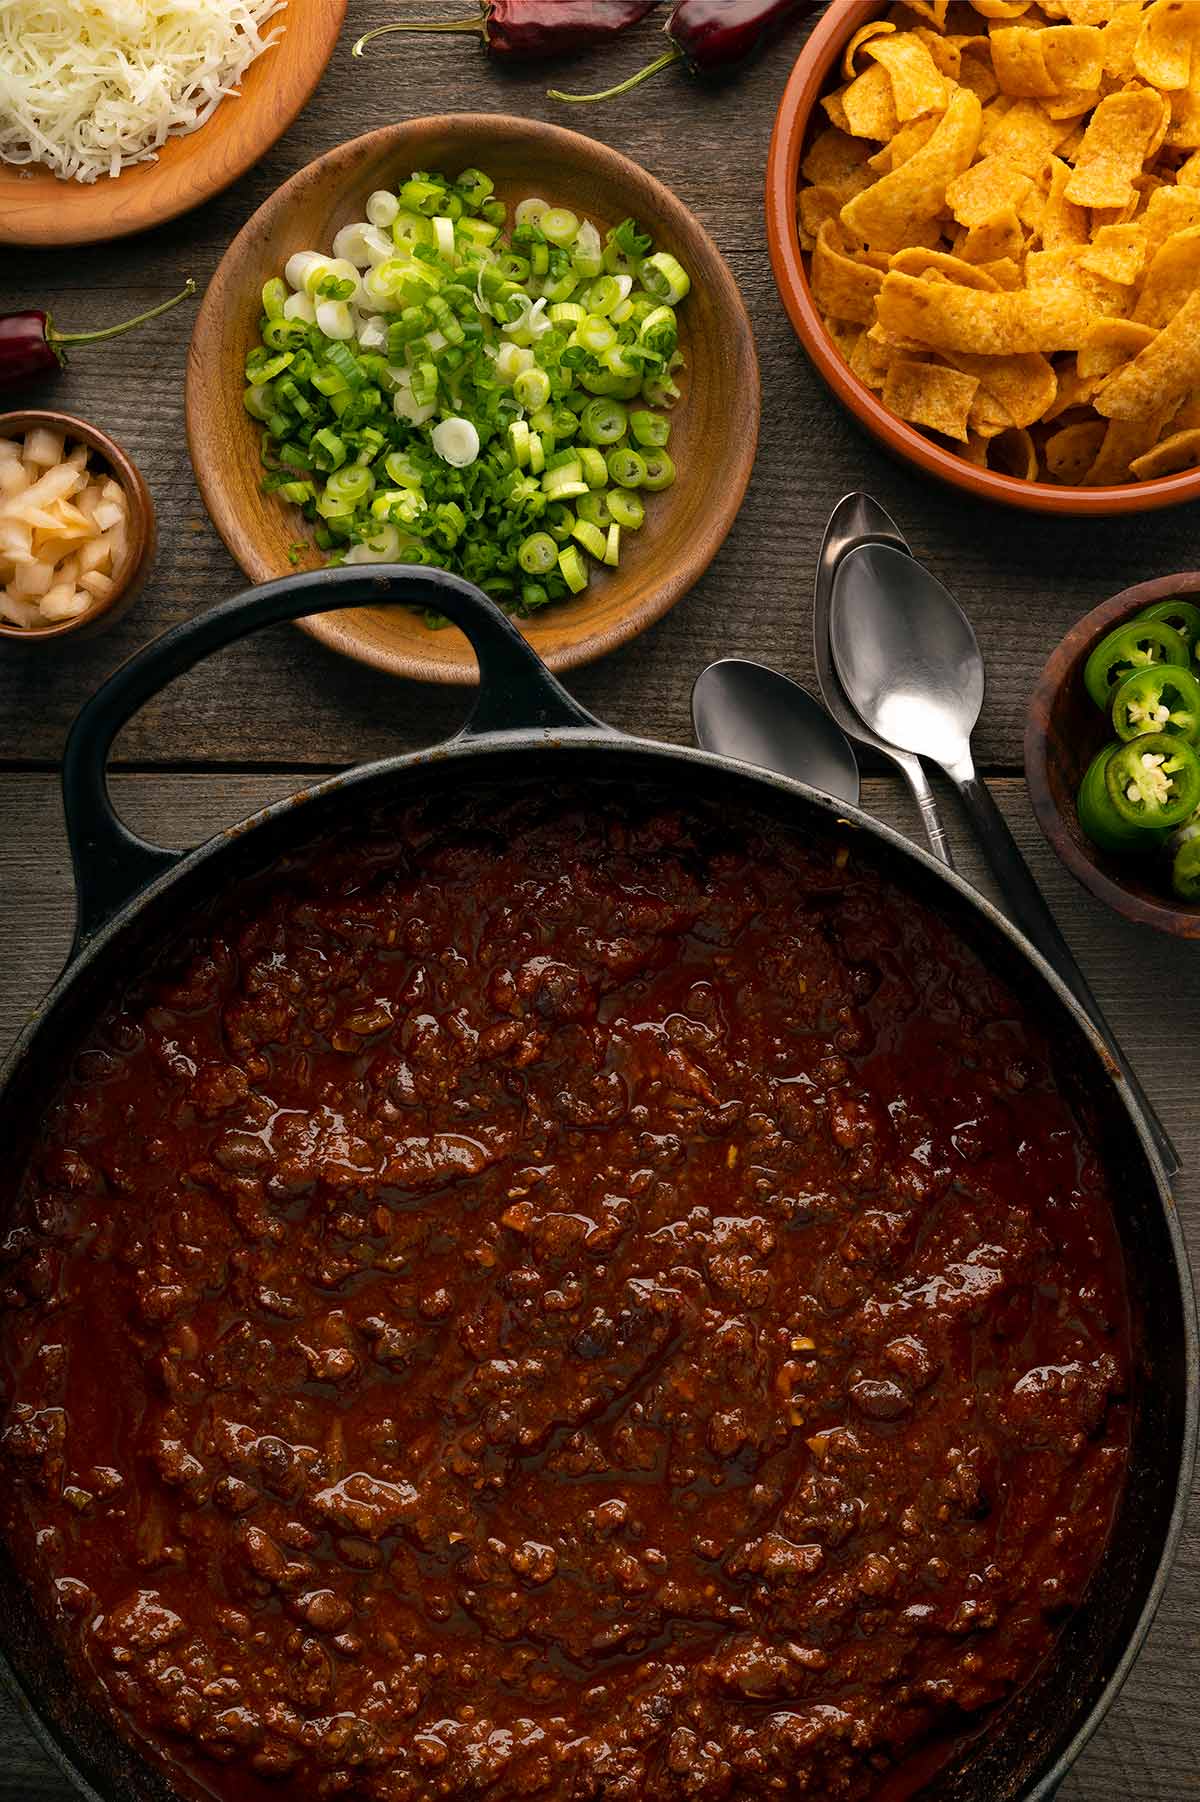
column 1149, row 1748
column 283, row 699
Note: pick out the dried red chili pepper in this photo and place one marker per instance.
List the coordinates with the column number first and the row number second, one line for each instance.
column 30, row 346
column 528, row 29
column 710, row 38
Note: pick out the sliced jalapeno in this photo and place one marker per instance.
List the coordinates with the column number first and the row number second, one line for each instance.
column 1159, row 698
column 1154, row 780
column 1182, row 617
column 1134, row 645
column 1099, row 818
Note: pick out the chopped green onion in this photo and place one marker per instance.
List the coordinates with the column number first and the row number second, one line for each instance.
column 328, row 449
column 537, row 554
column 436, row 393
column 593, row 468
column 530, row 211
column 626, row 467
column 257, row 402
column 603, row 421
column 594, row 508
column 595, row 333
column 590, row 537
column 274, row 297
column 573, row 569
column 559, row 225
column 605, row 295
column 665, row 278
column 627, row 509
column 650, row 430
column 518, row 443
column 532, row 388
column 659, row 471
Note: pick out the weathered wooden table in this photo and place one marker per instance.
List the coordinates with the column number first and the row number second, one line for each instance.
column 231, row 737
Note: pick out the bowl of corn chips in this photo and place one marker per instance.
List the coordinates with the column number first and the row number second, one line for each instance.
column 984, row 221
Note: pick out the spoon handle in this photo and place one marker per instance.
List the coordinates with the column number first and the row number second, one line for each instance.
column 1029, row 910
column 913, row 771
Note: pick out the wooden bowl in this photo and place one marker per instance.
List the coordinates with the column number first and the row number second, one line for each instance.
column 715, row 425
column 38, row 207
column 141, row 527
column 799, row 116
column 1063, row 732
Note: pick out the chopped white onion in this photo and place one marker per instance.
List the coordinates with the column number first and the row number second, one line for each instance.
column 62, row 530
column 403, row 404
column 44, row 447
column 373, row 333
column 296, row 269
column 382, row 208
column 378, row 245
column 456, row 442
column 349, row 244
column 335, row 319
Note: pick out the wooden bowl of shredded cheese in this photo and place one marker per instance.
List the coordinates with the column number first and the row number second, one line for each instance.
column 114, row 118
column 77, row 527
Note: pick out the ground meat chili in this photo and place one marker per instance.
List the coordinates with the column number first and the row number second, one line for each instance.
column 561, row 1300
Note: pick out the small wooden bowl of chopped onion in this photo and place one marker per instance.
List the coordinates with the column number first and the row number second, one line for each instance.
column 77, row 527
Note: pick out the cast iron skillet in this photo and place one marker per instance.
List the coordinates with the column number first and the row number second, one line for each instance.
column 525, row 727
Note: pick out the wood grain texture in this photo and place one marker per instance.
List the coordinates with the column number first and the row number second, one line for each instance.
column 37, row 208
column 715, row 425
column 283, row 698
column 1149, row 1748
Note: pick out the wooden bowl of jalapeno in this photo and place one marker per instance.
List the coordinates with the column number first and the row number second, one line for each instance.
column 1112, row 753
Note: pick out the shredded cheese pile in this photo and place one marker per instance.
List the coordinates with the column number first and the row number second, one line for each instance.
column 89, row 86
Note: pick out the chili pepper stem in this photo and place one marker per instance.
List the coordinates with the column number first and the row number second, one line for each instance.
column 127, row 325
column 478, row 26
column 664, row 61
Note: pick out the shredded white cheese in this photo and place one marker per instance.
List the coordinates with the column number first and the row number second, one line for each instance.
column 90, row 86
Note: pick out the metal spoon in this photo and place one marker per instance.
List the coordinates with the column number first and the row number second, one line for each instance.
column 748, row 711
column 857, row 519
column 910, row 663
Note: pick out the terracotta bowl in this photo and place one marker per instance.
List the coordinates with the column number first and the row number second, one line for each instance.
column 37, row 207
column 142, row 531
column 1063, row 732
column 715, row 425
column 798, row 118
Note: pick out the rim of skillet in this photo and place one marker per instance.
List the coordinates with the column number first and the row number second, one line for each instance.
column 468, row 747
column 797, row 107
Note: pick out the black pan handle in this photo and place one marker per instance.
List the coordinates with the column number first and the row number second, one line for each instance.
column 111, row 863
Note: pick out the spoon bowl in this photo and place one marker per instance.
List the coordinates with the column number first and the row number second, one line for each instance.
column 745, row 710
column 859, row 519
column 906, row 653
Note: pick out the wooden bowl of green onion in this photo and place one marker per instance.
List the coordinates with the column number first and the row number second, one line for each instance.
column 488, row 344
